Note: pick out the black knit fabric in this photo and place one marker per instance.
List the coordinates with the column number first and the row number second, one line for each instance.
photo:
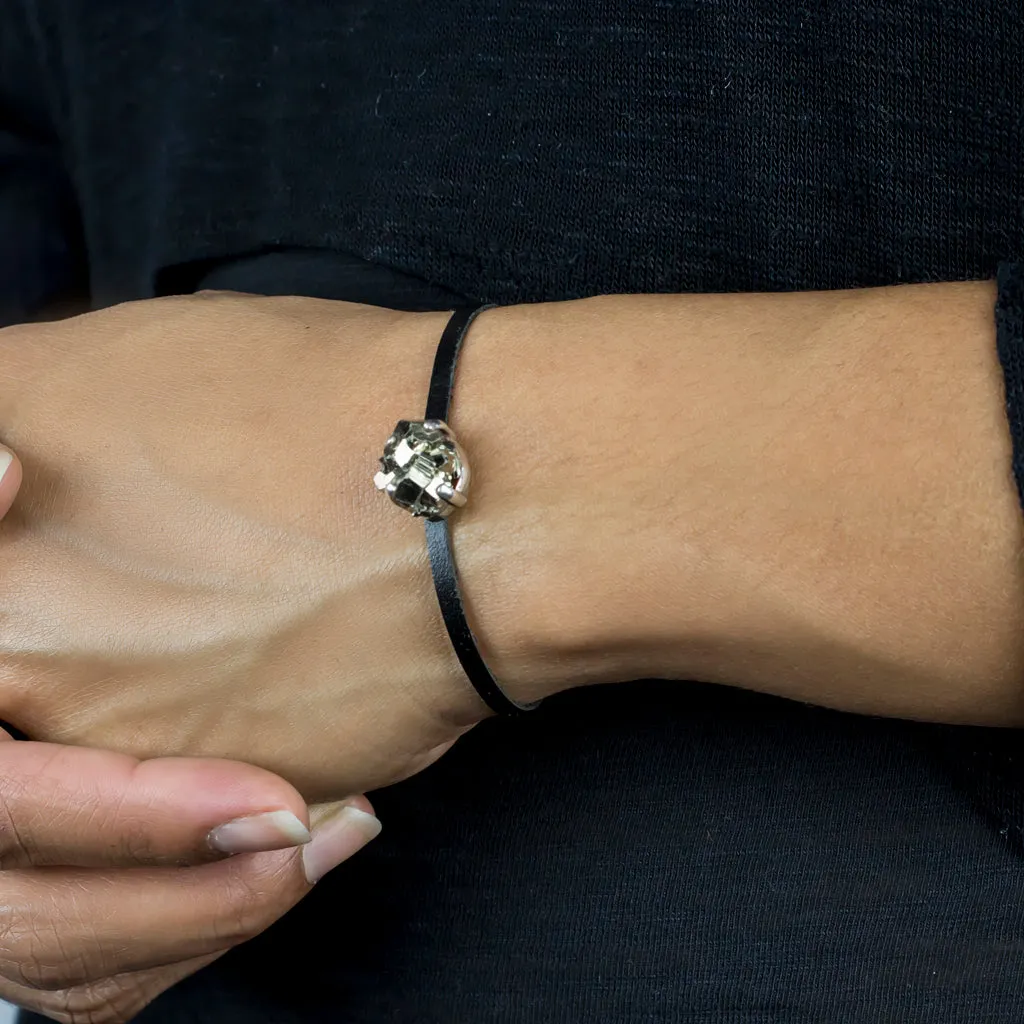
column 1010, row 341
column 653, row 852
column 537, row 149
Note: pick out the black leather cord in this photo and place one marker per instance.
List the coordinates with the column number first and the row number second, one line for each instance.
column 439, row 542
column 442, row 377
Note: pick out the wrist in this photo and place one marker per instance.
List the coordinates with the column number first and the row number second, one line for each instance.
column 531, row 545
column 495, row 551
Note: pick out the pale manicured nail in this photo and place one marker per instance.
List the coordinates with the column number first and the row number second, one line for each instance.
column 6, row 458
column 275, row 830
column 336, row 839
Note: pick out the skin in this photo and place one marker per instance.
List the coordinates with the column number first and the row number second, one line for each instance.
column 805, row 494
column 112, row 889
column 808, row 495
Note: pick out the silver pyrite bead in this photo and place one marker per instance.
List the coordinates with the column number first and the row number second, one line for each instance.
column 423, row 470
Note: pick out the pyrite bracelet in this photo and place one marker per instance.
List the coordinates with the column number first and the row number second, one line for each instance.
column 424, row 471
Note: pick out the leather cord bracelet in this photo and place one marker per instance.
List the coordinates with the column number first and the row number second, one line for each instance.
column 424, row 471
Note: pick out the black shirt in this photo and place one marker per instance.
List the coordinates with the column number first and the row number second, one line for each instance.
column 648, row 852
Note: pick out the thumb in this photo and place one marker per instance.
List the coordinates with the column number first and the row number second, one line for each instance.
column 10, row 479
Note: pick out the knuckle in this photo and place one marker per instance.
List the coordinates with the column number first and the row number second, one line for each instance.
column 19, row 946
column 33, row 953
column 44, row 973
column 110, row 1002
column 28, row 800
column 16, row 845
column 13, row 850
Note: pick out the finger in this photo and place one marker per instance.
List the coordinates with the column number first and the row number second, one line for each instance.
column 339, row 830
column 320, row 813
column 91, row 808
column 10, row 479
column 115, row 1000
column 60, row 928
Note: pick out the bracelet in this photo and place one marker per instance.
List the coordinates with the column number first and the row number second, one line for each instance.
column 424, row 471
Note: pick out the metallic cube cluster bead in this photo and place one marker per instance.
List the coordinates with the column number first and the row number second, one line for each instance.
column 423, row 470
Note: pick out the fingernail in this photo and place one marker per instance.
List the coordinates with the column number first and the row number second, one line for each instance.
column 275, row 830
column 336, row 839
column 6, row 458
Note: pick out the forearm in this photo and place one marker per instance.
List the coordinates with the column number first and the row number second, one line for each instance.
column 805, row 494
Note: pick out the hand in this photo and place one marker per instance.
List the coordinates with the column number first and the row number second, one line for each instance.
column 113, row 878
column 112, row 920
column 199, row 563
